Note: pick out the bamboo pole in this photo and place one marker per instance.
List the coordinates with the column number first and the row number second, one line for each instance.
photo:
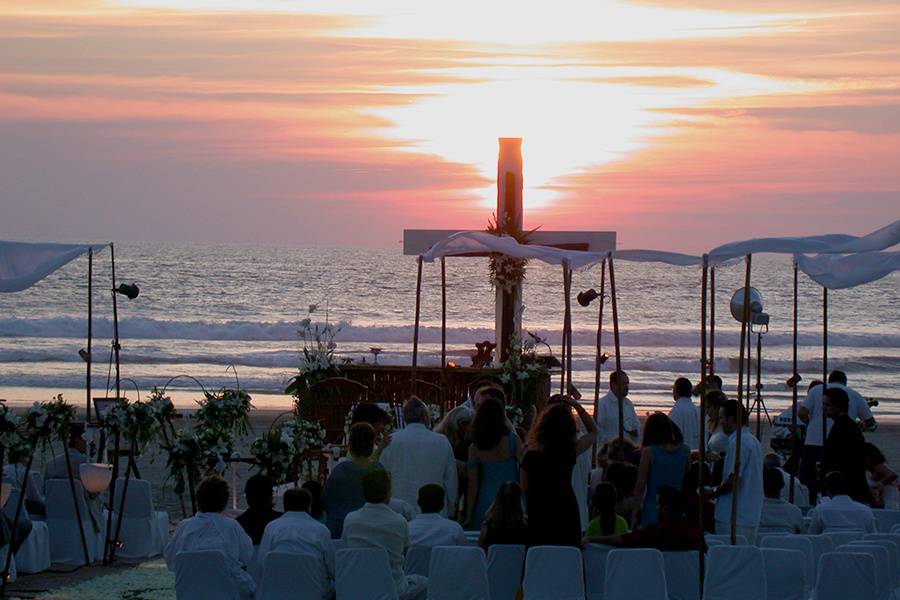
column 712, row 322
column 795, row 378
column 112, row 496
column 702, row 436
column 598, row 365
column 116, row 345
column 128, row 468
column 824, row 368
column 90, row 334
column 569, row 336
column 443, row 335
column 415, row 355
column 565, row 329
column 84, row 548
column 615, row 316
column 735, row 475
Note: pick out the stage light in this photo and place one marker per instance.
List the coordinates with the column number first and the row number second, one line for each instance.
column 604, row 357
column 129, row 291
column 793, row 381
column 757, row 316
column 95, row 477
column 586, row 297
column 85, row 355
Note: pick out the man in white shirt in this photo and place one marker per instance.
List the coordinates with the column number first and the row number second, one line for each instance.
column 608, row 411
column 209, row 529
column 777, row 513
column 376, row 525
column 430, row 528
column 296, row 531
column 685, row 414
column 841, row 512
column 801, row 494
column 417, row 456
column 746, row 483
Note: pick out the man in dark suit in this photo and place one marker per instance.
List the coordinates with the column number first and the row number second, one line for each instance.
column 845, row 446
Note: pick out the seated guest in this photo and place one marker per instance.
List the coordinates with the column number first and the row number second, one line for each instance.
column 376, row 525
column 430, row 528
column 297, row 531
column 259, row 513
column 504, row 521
column 209, row 529
column 623, row 475
column 343, row 491
column 671, row 533
column 698, row 472
column 605, row 521
column 882, row 478
column 778, row 513
column 841, row 512
column 801, row 493
column 317, row 508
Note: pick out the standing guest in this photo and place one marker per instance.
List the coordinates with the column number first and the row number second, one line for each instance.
column 376, row 525
column 882, row 479
column 699, row 475
column 504, row 522
column 713, row 384
column 716, row 440
column 298, row 532
column 493, row 459
column 417, row 456
column 778, row 514
column 431, row 529
column 841, row 512
column 745, row 484
column 259, row 513
column 685, row 414
column 845, row 446
column 209, row 529
column 456, row 426
column 672, row 533
column 605, row 521
column 664, row 463
column 608, row 411
column 546, row 473
column 343, row 491
column 317, row 508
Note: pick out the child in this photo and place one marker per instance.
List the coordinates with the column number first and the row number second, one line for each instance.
column 605, row 521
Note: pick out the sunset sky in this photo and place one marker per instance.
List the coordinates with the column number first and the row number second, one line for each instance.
column 680, row 124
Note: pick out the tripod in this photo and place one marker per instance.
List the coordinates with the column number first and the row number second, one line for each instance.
column 758, row 402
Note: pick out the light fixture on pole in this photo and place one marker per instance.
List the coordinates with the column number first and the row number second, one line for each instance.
column 129, row 291
column 759, row 320
column 95, row 477
column 586, row 297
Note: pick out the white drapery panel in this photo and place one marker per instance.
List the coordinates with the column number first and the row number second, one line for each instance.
column 481, row 242
column 23, row 264
column 660, row 256
column 835, row 272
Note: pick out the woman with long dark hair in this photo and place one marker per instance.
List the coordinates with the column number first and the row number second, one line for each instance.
column 493, row 459
column 546, row 473
column 605, row 520
column 504, row 521
column 664, row 462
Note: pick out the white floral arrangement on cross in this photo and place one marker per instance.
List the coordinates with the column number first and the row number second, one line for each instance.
column 521, row 372
column 317, row 360
column 507, row 272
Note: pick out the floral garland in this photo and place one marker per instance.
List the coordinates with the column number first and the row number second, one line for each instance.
column 507, row 272
column 46, row 420
column 278, row 452
column 162, row 406
column 317, row 360
column 521, row 372
column 135, row 421
column 186, row 455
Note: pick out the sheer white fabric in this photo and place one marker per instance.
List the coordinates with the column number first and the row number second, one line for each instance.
column 658, row 256
column 458, row 573
column 505, row 564
column 364, row 574
column 594, row 559
column 843, row 575
column 553, row 573
column 883, row 574
column 797, row 544
column 144, row 531
column 734, row 573
column 23, row 264
column 205, row 574
column 469, row 242
column 682, row 575
column 293, row 576
column 783, row 580
column 837, row 272
column 635, row 574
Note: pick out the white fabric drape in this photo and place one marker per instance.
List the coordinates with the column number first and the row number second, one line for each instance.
column 669, row 258
column 836, row 272
column 23, row 264
column 481, row 242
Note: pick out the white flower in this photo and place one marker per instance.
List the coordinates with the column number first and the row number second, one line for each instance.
column 504, row 377
column 522, row 375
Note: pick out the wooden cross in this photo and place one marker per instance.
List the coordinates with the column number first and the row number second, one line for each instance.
column 510, row 218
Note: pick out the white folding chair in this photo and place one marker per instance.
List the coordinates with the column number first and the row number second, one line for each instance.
column 553, row 573
column 635, row 574
column 594, row 560
column 144, row 531
column 364, row 574
column 203, row 574
column 893, row 555
column 841, row 537
column 458, row 573
column 65, row 539
column 734, row 573
column 34, row 553
column 682, row 575
column 885, row 519
column 726, row 539
column 883, row 573
column 800, row 544
column 472, row 536
column 895, row 528
column 293, row 576
column 417, row 560
column 783, row 580
column 843, row 575
column 504, row 567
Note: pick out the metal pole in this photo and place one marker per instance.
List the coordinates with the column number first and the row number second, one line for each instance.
column 87, row 557
column 701, row 438
column 735, row 475
column 90, row 334
column 615, row 316
column 415, row 355
column 597, row 364
column 794, row 396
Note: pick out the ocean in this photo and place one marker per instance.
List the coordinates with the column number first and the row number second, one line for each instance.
column 205, row 307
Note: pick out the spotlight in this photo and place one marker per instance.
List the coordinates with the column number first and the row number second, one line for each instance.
column 586, row 297
column 129, row 291
column 793, row 381
column 757, row 316
column 604, row 357
column 85, row 355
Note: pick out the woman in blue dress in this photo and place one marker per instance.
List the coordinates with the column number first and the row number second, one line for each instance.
column 664, row 463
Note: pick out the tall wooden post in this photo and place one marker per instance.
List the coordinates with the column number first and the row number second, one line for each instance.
column 415, row 354
column 90, row 334
column 615, row 316
column 598, row 360
column 796, row 380
column 510, row 222
column 735, row 475
column 712, row 322
column 702, row 436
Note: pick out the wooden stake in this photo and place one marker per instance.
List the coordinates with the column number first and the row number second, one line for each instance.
column 615, row 316
column 794, row 374
column 740, row 413
column 702, row 436
column 415, row 355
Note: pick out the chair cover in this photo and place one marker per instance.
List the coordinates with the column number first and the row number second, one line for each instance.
column 65, row 539
column 895, row 528
column 594, row 560
column 339, row 544
column 844, row 536
column 364, row 574
column 418, row 559
column 292, row 576
column 472, row 536
column 635, row 574
column 726, row 539
column 784, row 581
column 886, row 520
column 893, row 551
column 800, row 544
column 34, row 554
column 553, row 573
column 504, row 567
column 883, row 574
column 458, row 573
column 843, row 575
column 202, row 574
column 682, row 575
column 144, row 531
column 734, row 573
column 710, row 542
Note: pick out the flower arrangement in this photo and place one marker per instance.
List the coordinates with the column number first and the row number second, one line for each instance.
column 279, row 452
column 317, row 360
column 11, row 439
column 46, row 420
column 521, row 372
column 186, row 455
column 135, row 421
column 507, row 272
column 221, row 417
column 515, row 415
column 162, row 406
